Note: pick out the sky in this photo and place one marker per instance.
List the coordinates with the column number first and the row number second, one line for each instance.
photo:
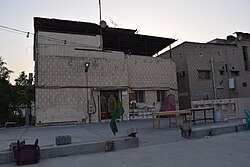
column 183, row 20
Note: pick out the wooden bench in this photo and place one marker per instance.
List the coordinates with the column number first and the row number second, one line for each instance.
column 204, row 114
column 170, row 114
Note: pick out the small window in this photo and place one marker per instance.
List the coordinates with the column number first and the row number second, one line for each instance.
column 160, row 95
column 204, row 74
column 140, row 96
column 181, row 74
column 244, row 84
column 235, row 73
column 222, row 72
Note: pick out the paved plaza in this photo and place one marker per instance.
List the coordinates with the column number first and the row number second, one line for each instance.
column 157, row 147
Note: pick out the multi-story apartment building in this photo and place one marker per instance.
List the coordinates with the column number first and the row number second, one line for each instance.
column 80, row 68
column 214, row 70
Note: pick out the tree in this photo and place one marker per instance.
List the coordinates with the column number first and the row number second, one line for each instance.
column 6, row 94
column 25, row 91
column 13, row 98
column 4, row 71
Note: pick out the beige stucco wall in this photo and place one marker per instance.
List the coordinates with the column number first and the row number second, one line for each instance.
column 60, row 105
column 148, row 72
column 191, row 57
column 61, row 82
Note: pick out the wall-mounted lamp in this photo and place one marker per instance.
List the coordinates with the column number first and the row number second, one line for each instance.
column 87, row 64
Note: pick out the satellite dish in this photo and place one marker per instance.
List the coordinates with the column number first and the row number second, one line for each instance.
column 103, row 24
column 231, row 39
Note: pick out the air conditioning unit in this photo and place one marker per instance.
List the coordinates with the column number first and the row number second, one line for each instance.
column 231, row 83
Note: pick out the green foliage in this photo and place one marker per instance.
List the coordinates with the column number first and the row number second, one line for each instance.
column 6, row 100
column 25, row 91
column 6, row 94
column 4, row 71
column 14, row 97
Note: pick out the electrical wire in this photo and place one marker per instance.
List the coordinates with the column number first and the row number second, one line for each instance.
column 12, row 29
column 27, row 33
column 62, row 41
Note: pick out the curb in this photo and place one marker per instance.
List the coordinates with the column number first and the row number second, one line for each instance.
column 120, row 143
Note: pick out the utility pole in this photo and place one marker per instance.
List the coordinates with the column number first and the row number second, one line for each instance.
column 100, row 10
column 101, row 37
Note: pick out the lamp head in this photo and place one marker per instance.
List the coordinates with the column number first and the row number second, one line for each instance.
column 87, row 64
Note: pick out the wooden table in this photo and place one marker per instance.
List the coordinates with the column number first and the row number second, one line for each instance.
column 205, row 110
column 170, row 114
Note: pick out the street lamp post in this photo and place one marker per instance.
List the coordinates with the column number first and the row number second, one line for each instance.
column 86, row 65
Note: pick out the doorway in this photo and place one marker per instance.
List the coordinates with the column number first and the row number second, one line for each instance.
column 107, row 101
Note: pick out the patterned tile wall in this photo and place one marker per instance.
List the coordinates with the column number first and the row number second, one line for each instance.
column 61, row 79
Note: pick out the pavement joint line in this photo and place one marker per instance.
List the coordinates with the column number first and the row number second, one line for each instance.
column 26, row 129
column 94, row 133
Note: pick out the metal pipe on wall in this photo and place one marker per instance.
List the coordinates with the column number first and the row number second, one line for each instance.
column 213, row 78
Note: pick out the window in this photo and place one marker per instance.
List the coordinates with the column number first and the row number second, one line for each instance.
column 235, row 73
column 140, row 96
column 181, row 74
column 244, row 84
column 245, row 57
column 204, row 74
column 222, row 72
column 160, row 95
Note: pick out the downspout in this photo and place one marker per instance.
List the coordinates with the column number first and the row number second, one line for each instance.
column 170, row 51
column 86, row 72
column 213, row 77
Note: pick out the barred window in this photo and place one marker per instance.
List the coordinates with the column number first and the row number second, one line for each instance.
column 160, row 95
column 244, row 84
column 140, row 96
column 235, row 73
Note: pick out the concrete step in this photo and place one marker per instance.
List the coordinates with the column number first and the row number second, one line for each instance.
column 211, row 130
column 119, row 143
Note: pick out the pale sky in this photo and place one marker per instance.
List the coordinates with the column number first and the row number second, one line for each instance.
column 184, row 20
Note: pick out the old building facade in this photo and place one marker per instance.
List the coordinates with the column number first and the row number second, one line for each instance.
column 80, row 69
column 219, row 69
